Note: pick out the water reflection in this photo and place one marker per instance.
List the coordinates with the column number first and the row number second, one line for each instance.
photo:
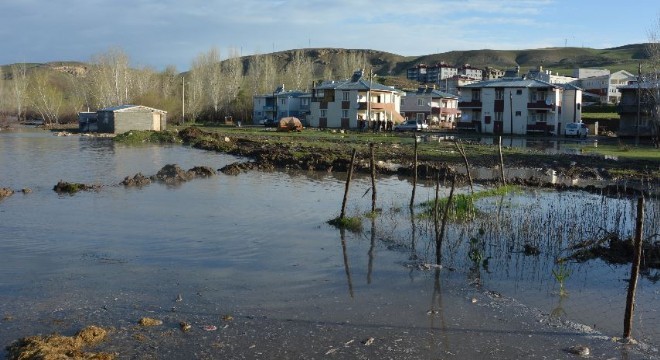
column 342, row 233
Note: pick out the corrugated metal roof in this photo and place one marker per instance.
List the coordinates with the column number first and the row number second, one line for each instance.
column 510, row 83
column 355, row 85
column 120, row 108
column 433, row 93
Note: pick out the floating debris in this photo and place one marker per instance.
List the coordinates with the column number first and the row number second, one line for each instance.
column 579, row 350
column 368, row 341
column 227, row 318
column 179, row 298
column 60, row 347
column 210, row 328
column 185, row 326
column 145, row 321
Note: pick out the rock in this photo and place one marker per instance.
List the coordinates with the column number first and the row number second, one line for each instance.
column 137, row 180
column 145, row 321
column 579, row 350
column 5, row 192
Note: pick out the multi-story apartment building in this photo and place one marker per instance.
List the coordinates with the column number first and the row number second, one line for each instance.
column 492, row 73
column 431, row 106
column 646, row 105
column 431, row 73
column 605, row 86
column 453, row 84
column 549, row 77
column 519, row 106
column 280, row 103
column 352, row 103
column 471, row 72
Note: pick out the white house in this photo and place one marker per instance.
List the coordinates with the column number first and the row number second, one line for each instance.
column 519, row 106
column 605, row 86
column 280, row 103
column 341, row 104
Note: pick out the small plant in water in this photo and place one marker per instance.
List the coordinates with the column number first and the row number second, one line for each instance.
column 561, row 273
column 349, row 223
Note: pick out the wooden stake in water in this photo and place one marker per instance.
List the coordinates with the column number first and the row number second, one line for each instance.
column 461, row 150
column 412, row 197
column 348, row 185
column 634, row 272
column 438, row 244
column 501, row 162
column 373, row 178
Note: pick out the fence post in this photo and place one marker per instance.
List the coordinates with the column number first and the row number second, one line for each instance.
column 373, row 178
column 412, row 197
column 501, row 162
column 348, row 184
column 634, row 272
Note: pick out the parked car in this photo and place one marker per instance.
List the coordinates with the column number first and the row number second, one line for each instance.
column 270, row 123
column 579, row 130
column 411, row 125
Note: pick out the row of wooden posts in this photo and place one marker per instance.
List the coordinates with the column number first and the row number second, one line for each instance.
column 440, row 225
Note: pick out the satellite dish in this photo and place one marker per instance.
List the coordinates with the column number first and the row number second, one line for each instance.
column 548, row 100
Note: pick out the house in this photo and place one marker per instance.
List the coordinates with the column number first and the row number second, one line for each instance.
column 471, row 72
column 431, row 106
column 341, row 104
column 605, row 86
column 123, row 118
column 647, row 105
column 520, row 106
column 549, row 77
column 280, row 103
column 453, row 84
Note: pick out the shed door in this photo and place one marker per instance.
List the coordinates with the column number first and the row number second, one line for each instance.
column 156, row 122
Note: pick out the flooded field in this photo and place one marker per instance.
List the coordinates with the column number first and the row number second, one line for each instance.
column 251, row 264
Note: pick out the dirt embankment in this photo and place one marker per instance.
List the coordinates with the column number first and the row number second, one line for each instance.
column 267, row 154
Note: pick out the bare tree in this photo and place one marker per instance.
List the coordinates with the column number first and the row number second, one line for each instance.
column 300, row 71
column 19, row 88
column 232, row 74
column 110, row 78
column 45, row 97
column 652, row 81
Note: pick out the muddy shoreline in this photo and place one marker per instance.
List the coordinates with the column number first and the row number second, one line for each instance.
column 397, row 159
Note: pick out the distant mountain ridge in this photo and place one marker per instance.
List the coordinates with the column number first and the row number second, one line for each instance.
column 560, row 59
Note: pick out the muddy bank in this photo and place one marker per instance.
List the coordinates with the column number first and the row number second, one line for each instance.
column 60, row 347
column 397, row 159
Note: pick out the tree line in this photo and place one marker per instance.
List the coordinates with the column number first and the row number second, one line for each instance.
column 213, row 88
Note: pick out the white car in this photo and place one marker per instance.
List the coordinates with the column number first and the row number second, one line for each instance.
column 411, row 125
column 578, row 130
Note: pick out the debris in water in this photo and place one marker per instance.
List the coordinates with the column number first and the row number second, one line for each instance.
column 579, row 350
column 369, row 341
column 531, row 250
column 145, row 321
column 332, row 350
column 349, row 342
column 227, row 318
column 179, row 298
column 474, row 300
column 60, row 347
column 210, row 328
column 185, row 326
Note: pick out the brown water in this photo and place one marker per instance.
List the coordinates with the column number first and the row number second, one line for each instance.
column 256, row 247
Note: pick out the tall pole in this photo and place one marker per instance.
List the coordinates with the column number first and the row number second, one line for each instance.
column 183, row 99
column 639, row 102
column 511, row 107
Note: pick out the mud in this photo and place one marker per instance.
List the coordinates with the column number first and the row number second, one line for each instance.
column 63, row 187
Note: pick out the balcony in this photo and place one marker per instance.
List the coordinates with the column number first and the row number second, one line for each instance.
column 474, row 104
column 540, row 105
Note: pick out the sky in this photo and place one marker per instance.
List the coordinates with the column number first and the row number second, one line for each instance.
column 161, row 33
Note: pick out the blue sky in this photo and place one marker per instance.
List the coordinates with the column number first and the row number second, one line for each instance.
column 158, row 33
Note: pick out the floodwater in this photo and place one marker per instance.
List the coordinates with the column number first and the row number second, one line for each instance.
column 252, row 254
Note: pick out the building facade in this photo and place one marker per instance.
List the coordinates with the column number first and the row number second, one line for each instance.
column 518, row 106
column 280, row 103
column 646, row 125
column 354, row 103
column 123, row 118
column 431, row 106
column 605, row 87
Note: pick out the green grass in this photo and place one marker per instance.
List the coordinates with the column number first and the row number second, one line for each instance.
column 624, row 151
column 135, row 137
column 353, row 224
column 463, row 207
column 600, row 116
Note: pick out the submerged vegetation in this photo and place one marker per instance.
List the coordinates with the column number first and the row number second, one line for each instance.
column 462, row 207
column 135, row 137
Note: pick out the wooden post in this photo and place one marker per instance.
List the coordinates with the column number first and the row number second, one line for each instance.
column 436, row 219
column 634, row 272
column 373, row 178
column 461, row 150
column 438, row 244
column 501, row 162
column 412, row 197
column 348, row 184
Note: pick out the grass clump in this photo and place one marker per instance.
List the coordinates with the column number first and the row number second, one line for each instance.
column 353, row 224
column 463, row 206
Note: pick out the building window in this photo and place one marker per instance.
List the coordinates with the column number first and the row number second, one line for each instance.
column 304, row 101
column 499, row 116
column 283, row 101
column 476, row 95
column 344, row 113
column 403, row 101
column 323, row 113
column 420, row 102
column 499, row 94
column 519, row 92
column 419, row 117
column 518, row 113
column 344, row 95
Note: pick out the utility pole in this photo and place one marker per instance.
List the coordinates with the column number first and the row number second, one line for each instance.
column 511, row 107
column 639, row 102
column 183, row 99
